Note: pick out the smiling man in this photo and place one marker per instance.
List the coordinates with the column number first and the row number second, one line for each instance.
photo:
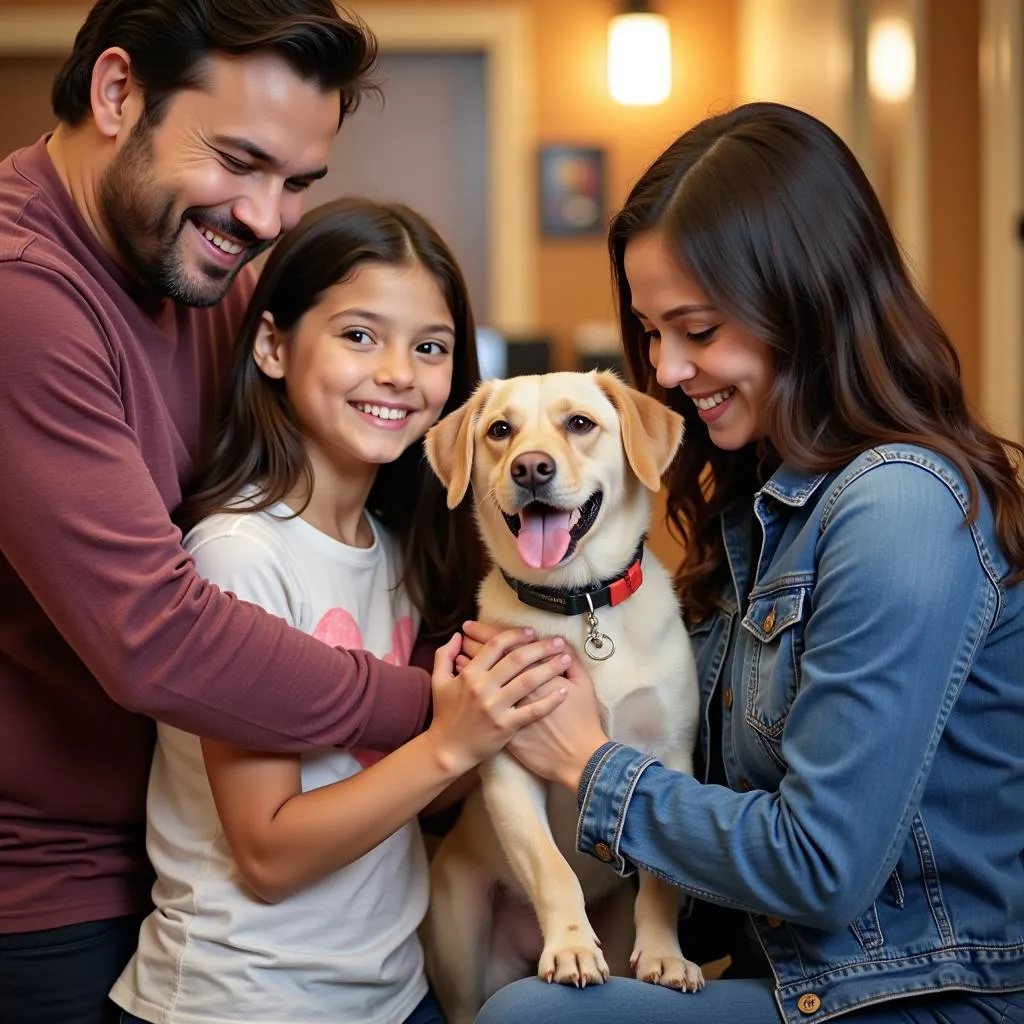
column 188, row 134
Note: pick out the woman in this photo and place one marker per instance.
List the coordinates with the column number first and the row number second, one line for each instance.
column 854, row 545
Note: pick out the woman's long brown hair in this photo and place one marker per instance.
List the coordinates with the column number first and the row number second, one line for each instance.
column 770, row 213
column 260, row 443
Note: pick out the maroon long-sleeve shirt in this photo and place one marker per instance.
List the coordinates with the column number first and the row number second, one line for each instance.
column 107, row 398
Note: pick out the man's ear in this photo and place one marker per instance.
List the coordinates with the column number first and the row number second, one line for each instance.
column 449, row 445
column 269, row 351
column 651, row 431
column 116, row 99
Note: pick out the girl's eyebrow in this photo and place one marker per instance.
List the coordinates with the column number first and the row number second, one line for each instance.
column 368, row 314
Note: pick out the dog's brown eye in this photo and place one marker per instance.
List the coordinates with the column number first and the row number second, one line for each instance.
column 498, row 430
column 580, row 425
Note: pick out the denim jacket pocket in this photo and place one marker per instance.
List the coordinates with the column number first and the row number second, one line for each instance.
column 867, row 929
column 776, row 621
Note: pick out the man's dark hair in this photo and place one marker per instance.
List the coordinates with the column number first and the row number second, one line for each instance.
column 169, row 42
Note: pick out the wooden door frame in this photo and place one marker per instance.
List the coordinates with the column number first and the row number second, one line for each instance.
column 1002, row 176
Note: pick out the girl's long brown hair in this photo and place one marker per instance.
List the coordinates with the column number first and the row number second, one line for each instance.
column 770, row 213
column 260, row 443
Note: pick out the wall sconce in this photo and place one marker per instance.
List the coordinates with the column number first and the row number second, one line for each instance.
column 639, row 56
column 891, row 60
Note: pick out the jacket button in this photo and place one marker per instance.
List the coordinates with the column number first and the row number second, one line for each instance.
column 808, row 1003
column 769, row 621
column 603, row 852
column 773, row 922
column 727, row 697
column 745, row 786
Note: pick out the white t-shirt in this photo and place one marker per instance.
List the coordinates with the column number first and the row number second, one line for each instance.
column 345, row 949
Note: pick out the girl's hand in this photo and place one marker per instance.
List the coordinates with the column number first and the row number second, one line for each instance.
column 477, row 712
column 474, row 636
column 559, row 746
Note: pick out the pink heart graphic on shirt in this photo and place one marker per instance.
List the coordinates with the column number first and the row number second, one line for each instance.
column 338, row 629
column 401, row 642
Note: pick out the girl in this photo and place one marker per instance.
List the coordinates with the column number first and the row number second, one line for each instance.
column 290, row 889
column 854, row 549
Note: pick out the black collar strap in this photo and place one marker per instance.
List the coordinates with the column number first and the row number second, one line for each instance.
column 574, row 602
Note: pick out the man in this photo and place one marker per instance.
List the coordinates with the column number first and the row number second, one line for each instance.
column 188, row 134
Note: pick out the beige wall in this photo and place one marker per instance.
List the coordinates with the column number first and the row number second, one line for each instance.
column 573, row 106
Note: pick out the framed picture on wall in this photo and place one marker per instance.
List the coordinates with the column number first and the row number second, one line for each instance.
column 572, row 191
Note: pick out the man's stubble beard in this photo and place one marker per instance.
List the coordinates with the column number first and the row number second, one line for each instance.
column 139, row 216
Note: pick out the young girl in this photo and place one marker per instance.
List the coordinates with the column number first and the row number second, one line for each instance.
column 290, row 889
column 852, row 575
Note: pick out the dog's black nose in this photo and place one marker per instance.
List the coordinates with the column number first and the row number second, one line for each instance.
column 533, row 469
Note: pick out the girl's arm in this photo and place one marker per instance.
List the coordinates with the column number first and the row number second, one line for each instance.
column 284, row 839
column 458, row 790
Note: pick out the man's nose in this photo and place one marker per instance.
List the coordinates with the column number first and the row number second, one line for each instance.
column 260, row 209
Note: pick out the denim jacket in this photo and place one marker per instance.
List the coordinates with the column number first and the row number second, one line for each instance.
column 873, row 740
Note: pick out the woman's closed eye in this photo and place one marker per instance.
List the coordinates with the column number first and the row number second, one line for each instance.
column 701, row 337
column 704, row 336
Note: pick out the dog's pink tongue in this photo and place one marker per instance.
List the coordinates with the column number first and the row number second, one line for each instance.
column 543, row 538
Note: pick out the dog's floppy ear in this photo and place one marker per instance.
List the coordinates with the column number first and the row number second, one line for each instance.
column 651, row 431
column 449, row 446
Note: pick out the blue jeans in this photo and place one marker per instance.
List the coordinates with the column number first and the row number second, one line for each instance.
column 427, row 1012
column 63, row 975
column 743, row 1001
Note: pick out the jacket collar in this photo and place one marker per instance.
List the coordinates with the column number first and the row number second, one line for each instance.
column 793, row 486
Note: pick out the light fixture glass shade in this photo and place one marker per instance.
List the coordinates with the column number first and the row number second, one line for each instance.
column 891, row 60
column 639, row 59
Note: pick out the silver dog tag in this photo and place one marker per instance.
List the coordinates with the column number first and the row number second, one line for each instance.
column 599, row 646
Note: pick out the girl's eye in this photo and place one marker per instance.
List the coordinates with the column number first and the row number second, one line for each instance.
column 650, row 335
column 580, row 424
column 432, row 348
column 359, row 337
column 498, row 430
column 702, row 337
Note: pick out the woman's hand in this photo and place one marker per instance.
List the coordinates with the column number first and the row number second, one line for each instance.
column 559, row 746
column 494, row 695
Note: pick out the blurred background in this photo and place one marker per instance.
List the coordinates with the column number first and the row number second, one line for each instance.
column 504, row 123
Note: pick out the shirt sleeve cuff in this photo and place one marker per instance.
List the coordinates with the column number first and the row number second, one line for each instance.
column 606, row 788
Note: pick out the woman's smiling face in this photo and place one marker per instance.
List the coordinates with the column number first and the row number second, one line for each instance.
column 693, row 346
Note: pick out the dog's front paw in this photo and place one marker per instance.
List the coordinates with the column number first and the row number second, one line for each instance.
column 571, row 959
column 671, row 971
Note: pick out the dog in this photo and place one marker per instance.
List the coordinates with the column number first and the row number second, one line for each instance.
column 562, row 467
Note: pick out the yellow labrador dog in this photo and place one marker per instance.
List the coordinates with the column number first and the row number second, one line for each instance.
column 561, row 468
